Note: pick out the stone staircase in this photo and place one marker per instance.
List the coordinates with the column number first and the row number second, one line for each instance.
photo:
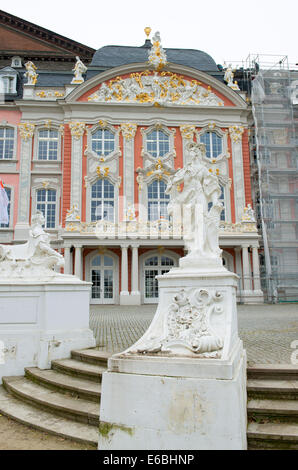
column 65, row 400
column 272, row 407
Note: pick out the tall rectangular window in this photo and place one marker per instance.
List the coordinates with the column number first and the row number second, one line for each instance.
column 6, row 143
column 46, row 202
column 48, row 144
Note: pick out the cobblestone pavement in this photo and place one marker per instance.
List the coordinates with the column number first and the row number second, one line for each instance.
column 267, row 331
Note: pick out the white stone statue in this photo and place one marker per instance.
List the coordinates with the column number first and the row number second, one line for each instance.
column 78, row 70
column 229, row 78
column 131, row 214
column 73, row 214
column 32, row 259
column 157, row 56
column 249, row 214
column 200, row 187
column 30, row 73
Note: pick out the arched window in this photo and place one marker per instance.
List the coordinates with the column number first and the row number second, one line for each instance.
column 155, row 266
column 48, row 144
column 158, row 143
column 102, row 201
column 6, row 143
column 213, row 144
column 103, row 142
column 8, row 192
column 46, row 202
column 158, row 200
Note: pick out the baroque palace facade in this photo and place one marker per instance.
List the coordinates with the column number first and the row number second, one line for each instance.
column 93, row 148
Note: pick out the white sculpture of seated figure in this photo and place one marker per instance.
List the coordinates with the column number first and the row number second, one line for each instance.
column 34, row 258
column 201, row 225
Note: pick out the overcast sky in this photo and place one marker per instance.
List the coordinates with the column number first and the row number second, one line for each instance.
column 228, row 30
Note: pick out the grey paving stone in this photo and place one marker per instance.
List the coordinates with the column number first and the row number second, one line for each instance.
column 267, row 331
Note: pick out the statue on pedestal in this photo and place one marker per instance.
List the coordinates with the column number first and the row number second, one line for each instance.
column 31, row 73
column 200, row 188
column 32, row 259
column 229, row 78
column 78, row 70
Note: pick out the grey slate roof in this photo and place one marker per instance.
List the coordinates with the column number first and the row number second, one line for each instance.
column 114, row 56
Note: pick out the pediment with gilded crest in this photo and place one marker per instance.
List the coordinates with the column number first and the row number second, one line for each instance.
column 157, row 88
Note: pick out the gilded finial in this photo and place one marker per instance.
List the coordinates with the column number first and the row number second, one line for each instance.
column 147, row 31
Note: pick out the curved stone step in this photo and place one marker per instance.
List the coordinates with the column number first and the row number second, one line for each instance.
column 77, row 409
column 79, row 369
column 273, row 371
column 258, row 388
column 91, row 356
column 65, row 383
column 273, row 409
column 27, row 414
column 272, row 436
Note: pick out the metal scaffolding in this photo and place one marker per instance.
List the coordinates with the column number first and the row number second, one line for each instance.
column 274, row 163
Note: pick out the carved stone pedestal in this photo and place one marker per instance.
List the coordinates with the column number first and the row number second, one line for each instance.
column 183, row 384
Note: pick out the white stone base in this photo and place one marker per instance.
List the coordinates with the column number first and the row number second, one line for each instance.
column 189, row 404
column 124, row 298
column 168, row 392
column 42, row 321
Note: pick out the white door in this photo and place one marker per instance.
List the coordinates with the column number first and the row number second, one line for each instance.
column 103, row 280
column 155, row 266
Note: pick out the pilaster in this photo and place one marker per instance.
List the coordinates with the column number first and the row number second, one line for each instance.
column 238, row 173
column 22, row 226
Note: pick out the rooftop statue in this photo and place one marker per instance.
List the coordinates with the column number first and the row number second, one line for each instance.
column 35, row 258
column 31, row 73
column 200, row 188
column 229, row 78
column 78, row 70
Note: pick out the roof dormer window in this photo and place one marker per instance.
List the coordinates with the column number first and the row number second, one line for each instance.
column 8, row 81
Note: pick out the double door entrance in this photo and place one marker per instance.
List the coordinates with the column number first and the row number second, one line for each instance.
column 103, row 280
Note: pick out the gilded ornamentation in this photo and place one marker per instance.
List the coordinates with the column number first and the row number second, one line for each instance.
column 157, row 56
column 236, row 133
column 26, row 130
column 73, row 214
column 187, row 132
column 102, row 172
column 129, row 130
column 103, row 124
column 50, row 94
column 77, row 129
column 158, row 170
column 162, row 89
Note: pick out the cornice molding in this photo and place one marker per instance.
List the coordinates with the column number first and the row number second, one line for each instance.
column 45, row 35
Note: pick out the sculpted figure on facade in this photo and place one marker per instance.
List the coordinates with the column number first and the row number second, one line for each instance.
column 229, row 78
column 157, row 55
column 30, row 73
column 78, row 70
column 200, row 187
column 73, row 214
column 32, row 259
column 249, row 214
column 164, row 89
